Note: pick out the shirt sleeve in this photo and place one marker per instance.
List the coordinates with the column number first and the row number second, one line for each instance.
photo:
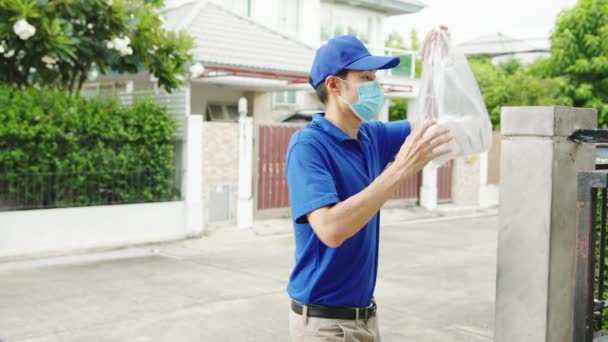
column 311, row 184
column 395, row 133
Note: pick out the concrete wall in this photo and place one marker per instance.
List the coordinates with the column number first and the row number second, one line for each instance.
column 221, row 161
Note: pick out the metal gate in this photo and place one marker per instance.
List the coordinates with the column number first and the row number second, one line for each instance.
column 590, row 299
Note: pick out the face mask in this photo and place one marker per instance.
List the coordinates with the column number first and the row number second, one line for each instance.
column 371, row 99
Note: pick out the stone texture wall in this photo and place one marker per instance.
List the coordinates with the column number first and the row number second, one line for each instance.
column 220, row 161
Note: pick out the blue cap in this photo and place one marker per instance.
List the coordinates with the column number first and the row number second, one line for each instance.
column 346, row 52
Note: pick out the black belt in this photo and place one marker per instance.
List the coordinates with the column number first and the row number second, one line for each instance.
column 335, row 312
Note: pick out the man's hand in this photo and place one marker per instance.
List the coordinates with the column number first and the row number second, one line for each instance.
column 418, row 150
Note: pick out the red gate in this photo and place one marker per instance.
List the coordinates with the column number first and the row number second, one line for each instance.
column 272, row 185
column 272, row 192
column 444, row 182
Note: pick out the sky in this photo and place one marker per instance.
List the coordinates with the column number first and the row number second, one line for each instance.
column 468, row 19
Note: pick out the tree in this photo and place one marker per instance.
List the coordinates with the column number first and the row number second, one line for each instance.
column 60, row 43
column 414, row 41
column 512, row 84
column 580, row 55
column 394, row 41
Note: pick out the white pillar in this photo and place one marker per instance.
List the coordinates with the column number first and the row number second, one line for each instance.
column 428, row 191
column 192, row 181
column 383, row 115
column 244, row 216
column 488, row 193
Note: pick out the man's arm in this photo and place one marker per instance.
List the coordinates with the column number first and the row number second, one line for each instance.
column 334, row 224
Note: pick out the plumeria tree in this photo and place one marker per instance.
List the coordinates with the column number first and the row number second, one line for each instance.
column 61, row 43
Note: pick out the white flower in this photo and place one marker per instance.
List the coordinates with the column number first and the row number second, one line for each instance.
column 121, row 45
column 92, row 75
column 23, row 29
column 49, row 60
column 49, row 66
column 196, row 70
column 32, row 70
column 90, row 26
column 9, row 54
column 1, row 49
column 109, row 2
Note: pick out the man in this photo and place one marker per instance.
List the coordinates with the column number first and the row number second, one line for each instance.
column 338, row 181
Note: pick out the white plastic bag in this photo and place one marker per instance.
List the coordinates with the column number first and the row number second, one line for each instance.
column 449, row 94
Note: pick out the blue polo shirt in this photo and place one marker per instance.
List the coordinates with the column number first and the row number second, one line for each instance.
column 326, row 166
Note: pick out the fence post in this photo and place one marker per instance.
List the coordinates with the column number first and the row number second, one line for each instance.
column 429, row 190
column 537, row 236
column 244, row 216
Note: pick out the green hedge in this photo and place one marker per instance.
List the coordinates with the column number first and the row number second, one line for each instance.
column 60, row 151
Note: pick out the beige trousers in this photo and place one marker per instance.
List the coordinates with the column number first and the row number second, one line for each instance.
column 313, row 329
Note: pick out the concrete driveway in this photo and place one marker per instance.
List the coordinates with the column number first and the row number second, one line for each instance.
column 436, row 283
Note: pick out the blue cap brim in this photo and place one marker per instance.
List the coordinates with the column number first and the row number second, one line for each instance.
column 374, row 63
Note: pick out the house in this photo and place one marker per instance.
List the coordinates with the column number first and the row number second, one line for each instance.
column 262, row 49
column 501, row 47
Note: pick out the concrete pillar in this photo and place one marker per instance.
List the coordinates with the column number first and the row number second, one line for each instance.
column 536, row 240
column 429, row 189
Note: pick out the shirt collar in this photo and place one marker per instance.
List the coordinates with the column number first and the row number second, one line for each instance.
column 332, row 130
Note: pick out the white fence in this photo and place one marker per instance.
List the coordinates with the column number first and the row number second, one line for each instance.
column 27, row 233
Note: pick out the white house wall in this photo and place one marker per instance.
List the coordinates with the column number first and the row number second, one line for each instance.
column 376, row 32
column 309, row 100
column 201, row 94
column 309, row 20
column 265, row 112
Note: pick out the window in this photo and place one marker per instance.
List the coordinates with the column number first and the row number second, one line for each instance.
column 335, row 24
column 284, row 98
column 222, row 112
column 241, row 7
column 288, row 15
